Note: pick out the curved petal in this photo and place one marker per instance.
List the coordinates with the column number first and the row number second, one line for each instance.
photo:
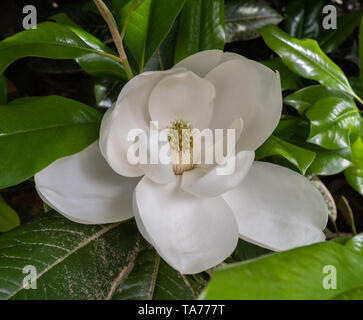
column 192, row 234
column 182, row 96
column 278, row 208
column 217, row 180
column 85, row 189
column 248, row 90
column 130, row 112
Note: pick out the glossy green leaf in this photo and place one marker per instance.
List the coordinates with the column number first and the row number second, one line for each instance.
column 305, row 58
column 332, row 39
column 36, row 131
column 3, row 90
column 88, row 262
column 303, row 18
column 201, row 27
column 301, row 273
column 9, row 218
column 335, row 123
column 148, row 26
column 289, row 80
column 94, row 64
column 244, row 18
column 354, row 174
column 303, row 99
column 274, row 146
column 107, row 91
column 48, row 40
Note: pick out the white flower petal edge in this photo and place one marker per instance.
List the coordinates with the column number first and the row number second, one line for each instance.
column 248, row 90
column 85, row 189
column 278, row 208
column 192, row 234
column 182, row 96
column 207, row 182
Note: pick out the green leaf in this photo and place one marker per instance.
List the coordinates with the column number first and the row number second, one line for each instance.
column 75, row 261
column 356, row 85
column 303, row 99
column 48, row 40
column 3, row 90
column 94, row 64
column 302, row 18
column 347, row 213
column 9, row 219
column 201, row 27
column 295, row 274
column 305, row 58
column 246, row 250
column 301, row 158
column 107, row 91
column 332, row 39
column 289, row 80
column 244, row 18
column 335, row 123
column 36, row 131
column 148, row 26
column 354, row 174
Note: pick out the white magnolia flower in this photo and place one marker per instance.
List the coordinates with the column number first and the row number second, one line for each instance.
column 193, row 218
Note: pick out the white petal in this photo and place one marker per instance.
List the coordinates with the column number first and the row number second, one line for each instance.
column 210, row 182
column 192, row 234
column 85, row 189
column 130, row 112
column 278, row 208
column 248, row 90
column 182, row 96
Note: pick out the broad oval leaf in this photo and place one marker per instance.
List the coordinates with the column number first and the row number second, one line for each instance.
column 335, row 123
column 244, row 18
column 303, row 99
column 9, row 218
column 93, row 262
column 305, row 58
column 36, row 131
column 48, row 40
column 354, row 174
column 303, row 275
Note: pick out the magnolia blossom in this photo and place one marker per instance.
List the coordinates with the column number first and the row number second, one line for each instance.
column 189, row 213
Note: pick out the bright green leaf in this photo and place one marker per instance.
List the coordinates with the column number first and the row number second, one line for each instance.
column 300, row 273
column 354, row 174
column 305, row 58
column 36, row 131
column 335, row 123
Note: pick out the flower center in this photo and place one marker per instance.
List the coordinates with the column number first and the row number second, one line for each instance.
column 180, row 136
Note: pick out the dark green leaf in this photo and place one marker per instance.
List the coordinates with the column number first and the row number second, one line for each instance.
column 148, row 26
column 289, row 80
column 299, row 157
column 94, row 64
column 335, row 123
column 244, row 18
column 36, row 131
column 48, row 40
column 3, row 90
column 303, row 99
column 347, row 213
column 302, row 18
column 75, row 261
column 201, row 27
column 361, row 51
column 300, row 273
column 305, row 58
column 9, row 219
column 332, row 39
column 107, row 91
column 356, row 85
column 246, row 250
column 354, row 174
